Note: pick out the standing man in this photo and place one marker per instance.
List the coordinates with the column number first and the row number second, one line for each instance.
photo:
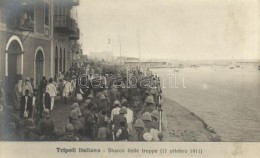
column 90, row 122
column 27, row 86
column 67, row 89
column 51, row 89
column 73, row 86
column 34, row 102
column 18, row 94
column 44, row 103
column 116, row 122
column 115, row 110
column 26, row 105
column 42, row 85
column 129, row 117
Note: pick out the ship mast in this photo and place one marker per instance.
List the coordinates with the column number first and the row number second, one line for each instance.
column 139, row 50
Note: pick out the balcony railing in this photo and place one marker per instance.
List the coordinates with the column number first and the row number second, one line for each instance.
column 65, row 23
column 74, row 25
column 75, row 36
column 74, row 2
column 20, row 15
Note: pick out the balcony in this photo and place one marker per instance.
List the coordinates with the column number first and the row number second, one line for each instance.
column 73, row 25
column 64, row 23
column 75, row 36
column 20, row 16
column 74, row 2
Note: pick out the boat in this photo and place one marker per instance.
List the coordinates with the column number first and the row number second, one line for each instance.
column 259, row 67
column 176, row 70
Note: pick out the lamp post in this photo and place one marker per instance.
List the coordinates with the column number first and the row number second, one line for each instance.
column 160, row 135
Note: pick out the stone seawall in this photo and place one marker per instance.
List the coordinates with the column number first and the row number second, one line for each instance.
column 182, row 125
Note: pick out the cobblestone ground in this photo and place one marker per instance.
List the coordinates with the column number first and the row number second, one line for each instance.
column 60, row 114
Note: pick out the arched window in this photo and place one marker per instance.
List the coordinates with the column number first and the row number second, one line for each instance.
column 14, row 66
column 39, row 66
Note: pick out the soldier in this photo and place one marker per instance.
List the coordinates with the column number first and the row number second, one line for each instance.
column 46, row 126
column 149, row 104
column 129, row 116
column 121, row 134
column 102, row 125
column 69, row 134
column 78, row 126
column 102, row 103
column 147, row 137
column 118, row 118
column 80, row 116
column 88, row 115
column 147, row 120
column 155, row 119
column 116, row 109
column 74, row 106
column 90, row 97
column 30, row 134
column 139, row 130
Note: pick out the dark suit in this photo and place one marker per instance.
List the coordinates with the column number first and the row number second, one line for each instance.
column 44, row 99
column 47, row 101
column 28, row 108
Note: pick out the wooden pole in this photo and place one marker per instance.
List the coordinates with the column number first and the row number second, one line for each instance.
column 139, row 50
column 160, row 112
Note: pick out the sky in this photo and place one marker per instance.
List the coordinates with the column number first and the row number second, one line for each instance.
column 178, row 29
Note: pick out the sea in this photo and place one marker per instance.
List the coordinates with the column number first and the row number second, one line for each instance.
column 227, row 99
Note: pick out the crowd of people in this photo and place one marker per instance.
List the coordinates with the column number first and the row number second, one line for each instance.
column 107, row 103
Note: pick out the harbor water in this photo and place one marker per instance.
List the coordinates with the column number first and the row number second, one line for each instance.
column 227, row 99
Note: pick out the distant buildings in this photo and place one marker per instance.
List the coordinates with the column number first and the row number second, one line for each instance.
column 37, row 37
column 105, row 55
column 134, row 62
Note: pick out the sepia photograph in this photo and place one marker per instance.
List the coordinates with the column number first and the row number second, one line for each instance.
column 129, row 71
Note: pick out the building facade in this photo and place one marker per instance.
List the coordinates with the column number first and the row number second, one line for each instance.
column 36, row 39
column 66, row 34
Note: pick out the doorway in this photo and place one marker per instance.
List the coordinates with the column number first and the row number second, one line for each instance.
column 39, row 67
column 14, row 66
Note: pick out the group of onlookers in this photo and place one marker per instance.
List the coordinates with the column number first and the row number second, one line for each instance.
column 105, row 113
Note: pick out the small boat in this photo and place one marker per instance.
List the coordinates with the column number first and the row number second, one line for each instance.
column 176, row 70
column 258, row 67
column 231, row 67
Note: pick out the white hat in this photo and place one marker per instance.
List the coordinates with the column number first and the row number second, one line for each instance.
column 148, row 137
